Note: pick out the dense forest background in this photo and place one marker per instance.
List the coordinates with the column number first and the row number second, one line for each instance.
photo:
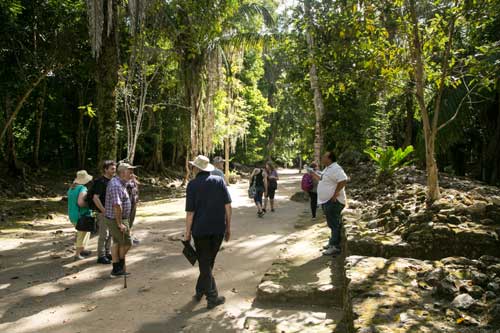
column 160, row 81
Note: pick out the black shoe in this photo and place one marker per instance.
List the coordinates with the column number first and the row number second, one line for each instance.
column 260, row 214
column 103, row 260
column 198, row 297
column 264, row 210
column 109, row 256
column 272, row 210
column 216, row 302
column 85, row 253
column 117, row 273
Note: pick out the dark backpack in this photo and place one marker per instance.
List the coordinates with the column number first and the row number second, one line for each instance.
column 307, row 183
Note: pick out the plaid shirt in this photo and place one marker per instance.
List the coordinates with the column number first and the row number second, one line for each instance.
column 116, row 194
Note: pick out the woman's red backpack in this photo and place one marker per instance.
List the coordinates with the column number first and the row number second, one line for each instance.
column 307, row 183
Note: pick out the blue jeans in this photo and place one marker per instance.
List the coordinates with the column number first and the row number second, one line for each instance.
column 333, row 212
column 259, row 192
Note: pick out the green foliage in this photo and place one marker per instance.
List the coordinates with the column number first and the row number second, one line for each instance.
column 389, row 159
column 260, row 97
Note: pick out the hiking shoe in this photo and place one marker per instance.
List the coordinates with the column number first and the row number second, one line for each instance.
column 79, row 257
column 103, row 260
column 85, row 253
column 331, row 251
column 198, row 297
column 216, row 302
column 109, row 256
column 118, row 273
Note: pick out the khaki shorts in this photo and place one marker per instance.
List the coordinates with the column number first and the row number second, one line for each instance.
column 120, row 238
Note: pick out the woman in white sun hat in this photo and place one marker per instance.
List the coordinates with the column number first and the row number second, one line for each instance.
column 77, row 207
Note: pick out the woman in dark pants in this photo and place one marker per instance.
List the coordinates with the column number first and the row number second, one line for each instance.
column 313, row 194
column 272, row 185
column 258, row 178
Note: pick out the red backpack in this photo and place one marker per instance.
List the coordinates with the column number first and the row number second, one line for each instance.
column 307, row 183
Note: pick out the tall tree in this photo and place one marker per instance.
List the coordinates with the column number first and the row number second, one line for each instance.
column 319, row 106
column 103, row 29
column 430, row 120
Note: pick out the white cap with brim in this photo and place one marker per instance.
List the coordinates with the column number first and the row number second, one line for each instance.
column 218, row 159
column 203, row 163
column 125, row 166
column 82, row 177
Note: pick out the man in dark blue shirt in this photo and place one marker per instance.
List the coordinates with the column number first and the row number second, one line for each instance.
column 208, row 221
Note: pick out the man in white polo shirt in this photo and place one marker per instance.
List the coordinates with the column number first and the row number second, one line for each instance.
column 332, row 198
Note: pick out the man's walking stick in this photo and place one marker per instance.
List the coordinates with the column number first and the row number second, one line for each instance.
column 124, row 265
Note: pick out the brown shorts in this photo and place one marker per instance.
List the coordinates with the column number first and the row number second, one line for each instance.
column 120, row 238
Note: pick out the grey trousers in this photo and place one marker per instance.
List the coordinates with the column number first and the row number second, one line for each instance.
column 104, row 241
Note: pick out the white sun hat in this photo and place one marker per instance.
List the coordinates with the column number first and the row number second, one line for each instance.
column 202, row 163
column 82, row 177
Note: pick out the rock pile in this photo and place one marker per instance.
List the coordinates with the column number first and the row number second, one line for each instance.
column 391, row 236
column 464, row 222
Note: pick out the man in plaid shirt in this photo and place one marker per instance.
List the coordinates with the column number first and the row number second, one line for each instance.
column 117, row 214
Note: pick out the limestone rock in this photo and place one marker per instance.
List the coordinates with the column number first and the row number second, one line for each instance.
column 479, row 279
column 495, row 200
column 463, row 302
column 478, row 208
column 494, row 315
column 494, row 269
column 453, row 219
column 493, row 286
column 489, row 295
column 446, row 288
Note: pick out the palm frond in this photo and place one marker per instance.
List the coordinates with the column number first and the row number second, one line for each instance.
column 248, row 11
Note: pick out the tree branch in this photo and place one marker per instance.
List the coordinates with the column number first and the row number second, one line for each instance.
column 22, row 101
column 469, row 91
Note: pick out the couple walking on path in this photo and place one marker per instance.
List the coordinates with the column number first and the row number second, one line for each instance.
column 263, row 183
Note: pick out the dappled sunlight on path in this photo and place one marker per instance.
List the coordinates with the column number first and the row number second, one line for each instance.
column 82, row 297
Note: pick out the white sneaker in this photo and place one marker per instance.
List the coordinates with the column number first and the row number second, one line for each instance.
column 331, row 251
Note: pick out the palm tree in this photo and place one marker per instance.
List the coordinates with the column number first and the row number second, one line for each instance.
column 199, row 33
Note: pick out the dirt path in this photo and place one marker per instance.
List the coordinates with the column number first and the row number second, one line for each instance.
column 43, row 290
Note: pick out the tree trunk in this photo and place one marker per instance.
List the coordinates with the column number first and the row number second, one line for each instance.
column 410, row 115
column 11, row 156
column 157, row 158
column 107, row 79
column 174, row 154
column 40, row 108
column 429, row 134
column 433, row 192
column 315, row 87
column 227, row 149
column 188, row 169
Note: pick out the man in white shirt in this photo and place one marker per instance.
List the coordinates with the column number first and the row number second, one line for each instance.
column 332, row 198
